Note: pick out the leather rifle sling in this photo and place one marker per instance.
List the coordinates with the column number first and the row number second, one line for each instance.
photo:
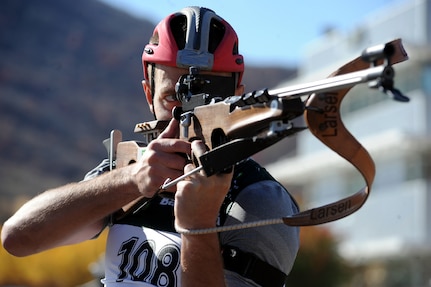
column 338, row 138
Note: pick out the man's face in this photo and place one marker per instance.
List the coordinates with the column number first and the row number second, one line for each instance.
column 164, row 99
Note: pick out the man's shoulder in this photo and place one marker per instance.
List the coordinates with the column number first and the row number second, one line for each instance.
column 253, row 183
column 247, row 173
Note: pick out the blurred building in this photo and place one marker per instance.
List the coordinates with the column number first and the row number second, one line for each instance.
column 389, row 238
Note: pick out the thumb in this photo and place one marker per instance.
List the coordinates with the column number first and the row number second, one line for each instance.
column 171, row 131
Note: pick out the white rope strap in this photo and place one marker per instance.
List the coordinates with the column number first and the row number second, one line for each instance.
column 228, row 227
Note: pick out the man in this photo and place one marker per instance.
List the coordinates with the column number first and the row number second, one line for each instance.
column 143, row 246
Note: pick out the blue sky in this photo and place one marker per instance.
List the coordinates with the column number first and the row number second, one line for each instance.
column 272, row 31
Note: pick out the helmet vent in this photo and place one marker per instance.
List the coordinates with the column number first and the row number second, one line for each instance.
column 217, row 30
column 179, row 30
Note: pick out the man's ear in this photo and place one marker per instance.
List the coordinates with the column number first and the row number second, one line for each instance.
column 148, row 95
column 239, row 90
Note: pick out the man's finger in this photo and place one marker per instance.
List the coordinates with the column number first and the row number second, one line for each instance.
column 198, row 148
column 171, row 131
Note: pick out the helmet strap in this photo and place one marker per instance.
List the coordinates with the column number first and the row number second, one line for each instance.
column 152, row 88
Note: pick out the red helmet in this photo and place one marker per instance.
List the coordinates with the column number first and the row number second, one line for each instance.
column 197, row 37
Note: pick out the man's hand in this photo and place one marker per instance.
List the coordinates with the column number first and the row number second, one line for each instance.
column 198, row 198
column 162, row 159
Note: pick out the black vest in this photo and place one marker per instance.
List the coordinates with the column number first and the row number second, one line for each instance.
column 158, row 213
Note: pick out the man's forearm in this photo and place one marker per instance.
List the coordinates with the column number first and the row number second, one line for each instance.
column 66, row 215
column 201, row 261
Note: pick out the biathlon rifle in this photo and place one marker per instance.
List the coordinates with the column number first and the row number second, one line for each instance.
column 237, row 127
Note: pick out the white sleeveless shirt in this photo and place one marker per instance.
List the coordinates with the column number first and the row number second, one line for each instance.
column 141, row 256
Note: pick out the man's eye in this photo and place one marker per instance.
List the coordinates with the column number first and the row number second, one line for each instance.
column 171, row 98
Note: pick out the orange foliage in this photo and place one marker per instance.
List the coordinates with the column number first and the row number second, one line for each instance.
column 318, row 263
column 60, row 267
